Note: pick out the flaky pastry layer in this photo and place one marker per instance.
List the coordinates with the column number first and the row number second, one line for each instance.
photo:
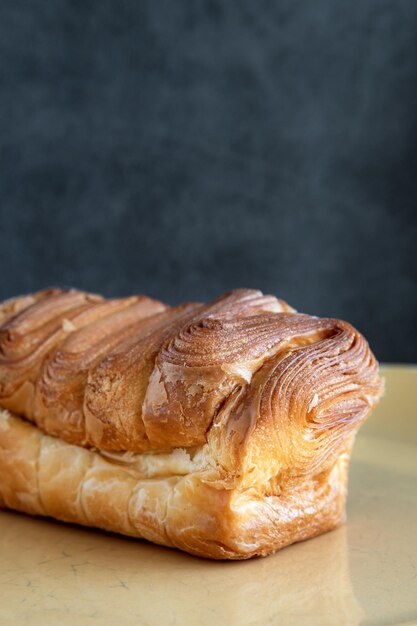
column 222, row 429
column 163, row 500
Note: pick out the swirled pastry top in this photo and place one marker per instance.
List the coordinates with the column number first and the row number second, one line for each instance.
column 265, row 389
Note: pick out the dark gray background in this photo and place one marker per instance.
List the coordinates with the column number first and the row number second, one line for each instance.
column 183, row 148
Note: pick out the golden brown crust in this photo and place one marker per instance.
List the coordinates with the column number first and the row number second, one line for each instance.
column 108, row 393
column 42, row 475
column 223, row 429
column 60, row 388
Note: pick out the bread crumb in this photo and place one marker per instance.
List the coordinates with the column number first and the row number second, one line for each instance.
column 68, row 326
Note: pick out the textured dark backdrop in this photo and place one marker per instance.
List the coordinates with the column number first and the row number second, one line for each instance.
column 184, row 148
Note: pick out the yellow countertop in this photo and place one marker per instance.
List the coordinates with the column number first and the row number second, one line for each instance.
column 364, row 573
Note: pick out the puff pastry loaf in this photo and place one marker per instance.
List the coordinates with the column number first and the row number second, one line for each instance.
column 223, row 429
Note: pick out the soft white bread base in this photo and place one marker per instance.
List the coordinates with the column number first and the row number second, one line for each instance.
column 167, row 498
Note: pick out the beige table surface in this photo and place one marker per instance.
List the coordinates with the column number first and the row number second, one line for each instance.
column 363, row 573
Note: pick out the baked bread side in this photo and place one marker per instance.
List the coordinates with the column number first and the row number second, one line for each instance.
column 222, row 429
column 169, row 499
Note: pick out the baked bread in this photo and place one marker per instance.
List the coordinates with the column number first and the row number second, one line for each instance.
column 223, row 429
